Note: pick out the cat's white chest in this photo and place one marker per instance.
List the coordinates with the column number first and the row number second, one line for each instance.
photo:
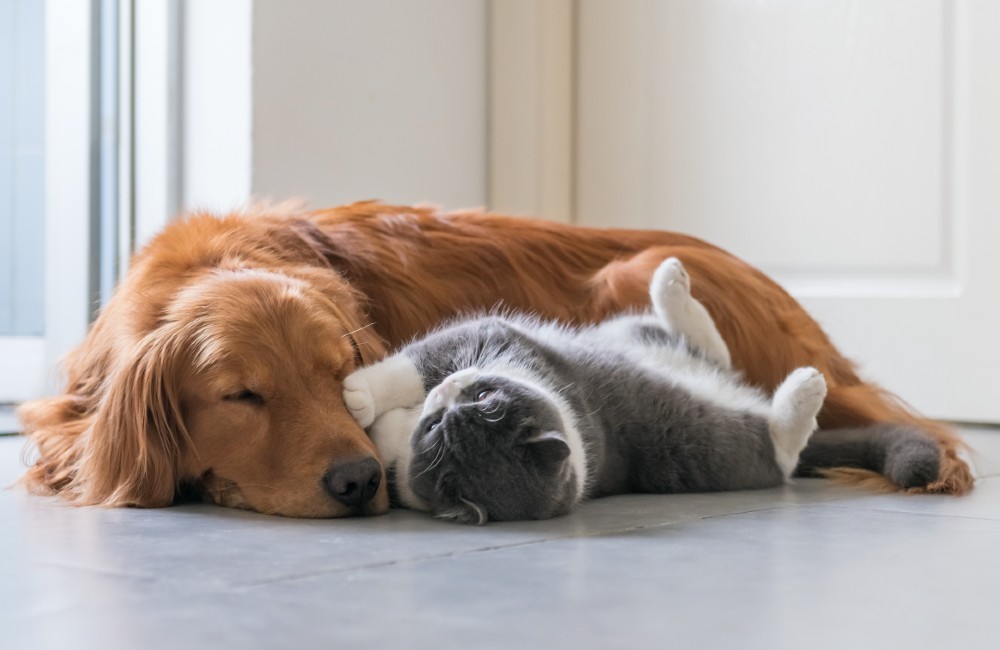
column 391, row 433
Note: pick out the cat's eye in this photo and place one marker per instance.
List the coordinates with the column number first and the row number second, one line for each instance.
column 245, row 396
column 433, row 425
column 483, row 394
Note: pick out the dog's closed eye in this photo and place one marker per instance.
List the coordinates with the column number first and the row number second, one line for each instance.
column 245, row 396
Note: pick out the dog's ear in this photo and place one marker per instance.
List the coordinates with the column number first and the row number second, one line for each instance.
column 349, row 304
column 55, row 425
column 346, row 304
column 369, row 345
column 320, row 245
column 131, row 452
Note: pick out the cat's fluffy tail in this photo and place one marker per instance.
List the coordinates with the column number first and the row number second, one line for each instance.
column 793, row 415
column 904, row 454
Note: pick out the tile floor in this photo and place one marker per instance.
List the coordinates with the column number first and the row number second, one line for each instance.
column 811, row 565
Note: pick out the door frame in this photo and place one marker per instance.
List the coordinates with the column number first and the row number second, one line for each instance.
column 532, row 97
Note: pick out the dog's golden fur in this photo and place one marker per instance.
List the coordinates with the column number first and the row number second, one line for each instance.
column 216, row 367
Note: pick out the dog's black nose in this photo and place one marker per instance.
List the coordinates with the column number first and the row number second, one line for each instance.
column 353, row 483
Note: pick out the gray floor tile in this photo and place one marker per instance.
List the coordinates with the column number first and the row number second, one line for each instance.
column 811, row 563
column 809, row 576
column 239, row 547
column 982, row 503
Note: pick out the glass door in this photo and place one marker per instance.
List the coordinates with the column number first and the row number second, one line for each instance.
column 49, row 167
column 22, row 202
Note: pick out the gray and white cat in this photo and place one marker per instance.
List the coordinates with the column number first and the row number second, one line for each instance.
column 503, row 418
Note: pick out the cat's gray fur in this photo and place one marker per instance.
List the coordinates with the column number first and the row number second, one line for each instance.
column 501, row 418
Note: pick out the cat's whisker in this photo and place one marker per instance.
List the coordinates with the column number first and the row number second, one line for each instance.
column 491, row 411
column 437, row 461
column 428, row 449
column 501, row 417
column 440, row 457
column 481, row 515
column 357, row 330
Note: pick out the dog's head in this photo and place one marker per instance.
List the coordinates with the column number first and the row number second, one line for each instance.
column 218, row 379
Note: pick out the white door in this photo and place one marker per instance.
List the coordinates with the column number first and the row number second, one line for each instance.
column 850, row 149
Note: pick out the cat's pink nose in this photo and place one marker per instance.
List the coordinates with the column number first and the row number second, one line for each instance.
column 441, row 395
column 449, row 390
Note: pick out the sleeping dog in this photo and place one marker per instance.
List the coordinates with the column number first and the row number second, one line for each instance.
column 216, row 369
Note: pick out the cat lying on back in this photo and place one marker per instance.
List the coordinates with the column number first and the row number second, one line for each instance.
column 502, row 418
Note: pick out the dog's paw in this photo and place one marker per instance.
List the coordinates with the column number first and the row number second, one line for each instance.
column 359, row 400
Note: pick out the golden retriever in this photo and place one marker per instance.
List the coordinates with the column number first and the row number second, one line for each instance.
column 215, row 370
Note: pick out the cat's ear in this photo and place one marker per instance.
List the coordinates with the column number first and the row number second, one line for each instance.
column 548, row 447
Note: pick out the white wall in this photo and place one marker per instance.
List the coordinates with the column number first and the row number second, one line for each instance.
column 336, row 101
column 370, row 99
column 217, row 105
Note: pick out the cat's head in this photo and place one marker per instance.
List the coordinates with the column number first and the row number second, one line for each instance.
column 493, row 448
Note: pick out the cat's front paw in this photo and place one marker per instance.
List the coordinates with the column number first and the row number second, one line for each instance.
column 359, row 400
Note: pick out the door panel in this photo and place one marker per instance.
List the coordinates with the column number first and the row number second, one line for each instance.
column 846, row 148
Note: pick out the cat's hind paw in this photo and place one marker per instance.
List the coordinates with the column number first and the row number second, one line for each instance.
column 670, row 288
column 796, row 404
column 803, row 392
column 671, row 277
column 679, row 312
column 359, row 400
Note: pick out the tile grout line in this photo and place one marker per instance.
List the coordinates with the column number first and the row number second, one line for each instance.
column 449, row 554
column 906, row 512
column 498, row 547
column 100, row 572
